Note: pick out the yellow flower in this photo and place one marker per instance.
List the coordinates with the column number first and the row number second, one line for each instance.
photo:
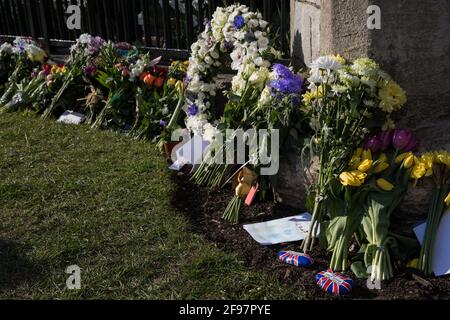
column 383, row 158
column 359, row 175
column 171, row 82
column 388, row 124
column 443, row 157
column 356, row 159
column 348, row 179
column 413, row 264
column 367, row 154
column 365, row 165
column 409, row 161
column 338, row 58
column 309, row 96
column 385, row 185
column 419, row 170
column 402, row 157
column 381, row 167
column 447, row 200
column 392, row 97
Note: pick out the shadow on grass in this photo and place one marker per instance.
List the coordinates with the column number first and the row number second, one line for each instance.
column 15, row 267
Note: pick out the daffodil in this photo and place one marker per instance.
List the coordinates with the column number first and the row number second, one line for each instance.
column 385, row 185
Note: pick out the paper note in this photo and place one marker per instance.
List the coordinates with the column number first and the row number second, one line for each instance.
column 70, row 117
column 441, row 255
column 288, row 229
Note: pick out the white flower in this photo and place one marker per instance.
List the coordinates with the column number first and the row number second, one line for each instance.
column 210, row 132
column 325, row 63
column 7, row 48
column 263, row 42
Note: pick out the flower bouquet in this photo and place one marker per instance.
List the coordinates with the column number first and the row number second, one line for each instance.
column 82, row 62
column 436, row 166
column 344, row 103
column 27, row 56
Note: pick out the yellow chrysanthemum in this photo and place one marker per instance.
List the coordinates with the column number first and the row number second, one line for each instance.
column 392, row 97
column 339, row 59
column 419, row 170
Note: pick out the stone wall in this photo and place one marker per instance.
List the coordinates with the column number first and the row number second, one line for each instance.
column 413, row 45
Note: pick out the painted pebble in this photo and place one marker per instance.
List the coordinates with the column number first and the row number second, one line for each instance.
column 295, row 258
column 334, row 282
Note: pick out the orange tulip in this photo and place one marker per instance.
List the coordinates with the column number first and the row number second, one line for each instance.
column 149, row 79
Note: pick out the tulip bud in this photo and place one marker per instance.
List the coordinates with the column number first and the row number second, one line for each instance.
column 409, row 161
column 383, row 158
column 367, row 154
column 348, row 179
column 374, row 144
column 365, row 165
column 381, row 167
column 402, row 157
column 403, row 138
column 447, row 200
column 385, row 185
column 385, row 138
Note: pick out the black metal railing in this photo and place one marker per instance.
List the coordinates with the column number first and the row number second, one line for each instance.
column 169, row 26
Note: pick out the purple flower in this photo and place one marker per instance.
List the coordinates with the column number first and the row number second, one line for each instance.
column 239, row 22
column 228, row 45
column 385, row 137
column 162, row 123
column 287, row 82
column 192, row 110
column 90, row 70
column 373, row 143
column 403, row 138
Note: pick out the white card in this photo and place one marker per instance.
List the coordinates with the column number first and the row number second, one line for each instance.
column 288, row 229
column 441, row 255
column 70, row 117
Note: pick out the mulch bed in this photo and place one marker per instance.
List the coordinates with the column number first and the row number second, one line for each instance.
column 205, row 207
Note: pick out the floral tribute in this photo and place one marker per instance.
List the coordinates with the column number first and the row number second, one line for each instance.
column 244, row 36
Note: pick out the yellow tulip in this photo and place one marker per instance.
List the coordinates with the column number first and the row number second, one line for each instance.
column 409, row 161
column 402, row 157
column 367, row 155
column 418, row 171
column 447, row 200
column 359, row 175
column 383, row 158
column 385, row 185
column 365, row 165
column 348, row 179
column 381, row 167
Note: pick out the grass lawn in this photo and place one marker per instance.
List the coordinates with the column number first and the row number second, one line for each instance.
column 73, row 196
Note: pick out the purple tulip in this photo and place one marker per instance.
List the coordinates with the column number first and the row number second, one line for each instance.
column 413, row 145
column 402, row 138
column 385, row 138
column 373, row 143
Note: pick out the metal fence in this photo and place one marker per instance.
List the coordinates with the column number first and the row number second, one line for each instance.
column 170, row 26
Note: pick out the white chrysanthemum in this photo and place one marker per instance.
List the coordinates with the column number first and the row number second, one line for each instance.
column 325, row 63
